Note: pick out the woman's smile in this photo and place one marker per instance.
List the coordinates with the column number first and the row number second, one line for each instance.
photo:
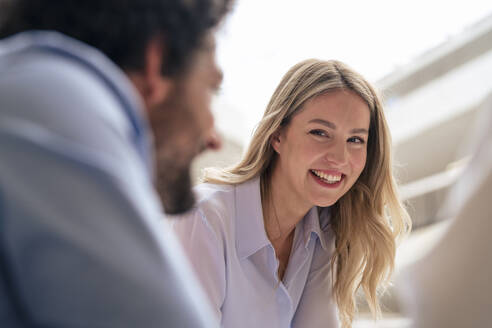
column 328, row 179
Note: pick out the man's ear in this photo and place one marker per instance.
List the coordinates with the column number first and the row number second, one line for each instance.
column 158, row 86
column 152, row 85
column 275, row 140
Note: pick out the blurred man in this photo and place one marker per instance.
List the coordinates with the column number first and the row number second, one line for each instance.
column 94, row 97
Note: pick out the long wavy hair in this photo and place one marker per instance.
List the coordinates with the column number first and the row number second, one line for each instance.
column 369, row 220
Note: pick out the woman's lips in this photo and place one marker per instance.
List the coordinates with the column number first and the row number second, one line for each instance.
column 328, row 178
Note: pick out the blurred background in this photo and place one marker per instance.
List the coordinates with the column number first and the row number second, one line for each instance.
column 432, row 60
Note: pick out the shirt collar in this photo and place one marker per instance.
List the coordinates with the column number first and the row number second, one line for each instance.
column 250, row 227
column 318, row 222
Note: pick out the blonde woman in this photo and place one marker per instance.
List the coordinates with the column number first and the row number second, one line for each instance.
column 287, row 236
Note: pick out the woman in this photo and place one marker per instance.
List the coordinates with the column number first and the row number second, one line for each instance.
column 287, row 236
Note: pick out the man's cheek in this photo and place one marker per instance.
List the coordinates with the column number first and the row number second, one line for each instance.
column 168, row 126
column 186, row 143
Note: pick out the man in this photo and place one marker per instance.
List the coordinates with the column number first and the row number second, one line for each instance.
column 94, row 97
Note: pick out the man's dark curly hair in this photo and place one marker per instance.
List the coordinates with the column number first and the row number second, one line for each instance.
column 121, row 28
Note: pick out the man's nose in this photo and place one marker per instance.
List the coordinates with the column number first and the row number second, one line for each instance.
column 213, row 140
column 219, row 75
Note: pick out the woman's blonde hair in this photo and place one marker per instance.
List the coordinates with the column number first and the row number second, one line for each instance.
column 369, row 220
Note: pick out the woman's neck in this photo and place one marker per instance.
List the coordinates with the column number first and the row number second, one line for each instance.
column 281, row 214
column 281, row 210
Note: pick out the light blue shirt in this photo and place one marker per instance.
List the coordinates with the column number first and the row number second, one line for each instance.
column 226, row 241
column 81, row 239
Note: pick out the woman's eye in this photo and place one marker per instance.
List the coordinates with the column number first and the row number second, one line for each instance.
column 320, row 133
column 356, row 140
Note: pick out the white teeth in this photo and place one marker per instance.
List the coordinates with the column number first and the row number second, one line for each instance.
column 328, row 177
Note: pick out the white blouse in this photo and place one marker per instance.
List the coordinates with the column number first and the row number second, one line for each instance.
column 225, row 238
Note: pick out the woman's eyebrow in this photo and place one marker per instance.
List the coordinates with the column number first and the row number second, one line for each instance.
column 359, row 131
column 329, row 124
column 333, row 126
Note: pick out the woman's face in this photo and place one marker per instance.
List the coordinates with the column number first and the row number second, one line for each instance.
column 322, row 151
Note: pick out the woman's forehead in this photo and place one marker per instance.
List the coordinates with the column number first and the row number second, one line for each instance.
column 344, row 106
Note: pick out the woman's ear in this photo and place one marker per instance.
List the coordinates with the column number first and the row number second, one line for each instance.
column 275, row 140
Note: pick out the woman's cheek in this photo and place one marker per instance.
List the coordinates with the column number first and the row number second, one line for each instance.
column 359, row 160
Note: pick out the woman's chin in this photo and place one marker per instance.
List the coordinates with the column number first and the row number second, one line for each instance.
column 325, row 202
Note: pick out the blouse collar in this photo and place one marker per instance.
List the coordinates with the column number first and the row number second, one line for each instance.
column 250, row 228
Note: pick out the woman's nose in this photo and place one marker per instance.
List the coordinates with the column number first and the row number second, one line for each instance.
column 337, row 154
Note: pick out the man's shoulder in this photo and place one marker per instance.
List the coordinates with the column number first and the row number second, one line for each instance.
column 72, row 91
column 52, row 62
column 39, row 61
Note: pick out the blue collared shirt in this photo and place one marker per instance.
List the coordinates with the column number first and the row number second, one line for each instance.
column 226, row 241
column 81, row 239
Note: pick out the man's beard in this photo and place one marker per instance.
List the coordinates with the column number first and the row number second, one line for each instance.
column 173, row 185
column 176, row 142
